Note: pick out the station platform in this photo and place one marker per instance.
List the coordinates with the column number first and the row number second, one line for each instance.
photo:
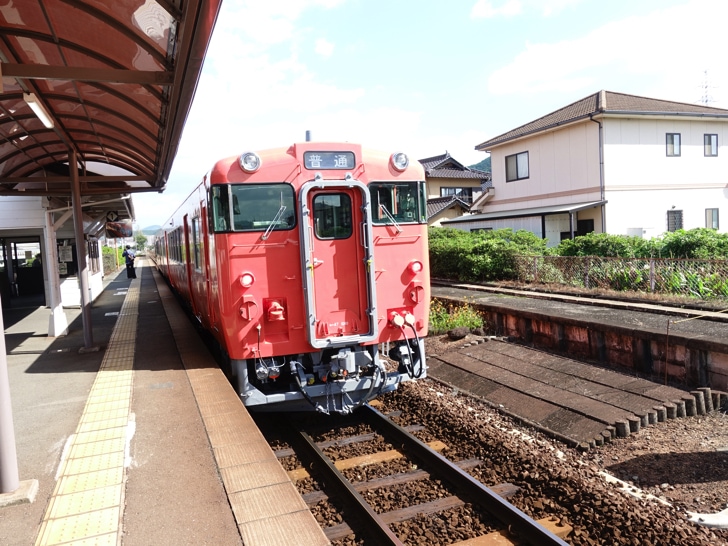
column 653, row 362
column 142, row 441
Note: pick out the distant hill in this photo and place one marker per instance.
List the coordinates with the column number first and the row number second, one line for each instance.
column 151, row 230
column 483, row 165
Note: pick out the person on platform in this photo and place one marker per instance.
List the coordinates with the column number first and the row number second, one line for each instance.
column 129, row 255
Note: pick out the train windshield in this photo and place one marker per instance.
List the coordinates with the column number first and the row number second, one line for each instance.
column 398, row 202
column 253, row 207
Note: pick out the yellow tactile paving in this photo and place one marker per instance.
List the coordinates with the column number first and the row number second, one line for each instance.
column 88, row 501
column 91, row 480
column 80, row 526
column 111, row 433
column 102, row 423
column 96, row 448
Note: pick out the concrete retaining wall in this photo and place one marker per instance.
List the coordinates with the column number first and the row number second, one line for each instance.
column 676, row 358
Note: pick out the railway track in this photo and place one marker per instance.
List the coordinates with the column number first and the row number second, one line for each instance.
column 368, row 507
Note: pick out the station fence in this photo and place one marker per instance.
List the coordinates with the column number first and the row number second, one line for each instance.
column 705, row 279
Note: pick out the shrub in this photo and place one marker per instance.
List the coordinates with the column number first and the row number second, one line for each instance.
column 446, row 317
column 695, row 243
column 480, row 255
column 604, row 245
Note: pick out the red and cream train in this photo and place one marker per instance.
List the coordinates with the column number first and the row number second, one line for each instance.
column 304, row 263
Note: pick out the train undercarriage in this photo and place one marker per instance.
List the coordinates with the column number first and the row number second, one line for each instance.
column 333, row 380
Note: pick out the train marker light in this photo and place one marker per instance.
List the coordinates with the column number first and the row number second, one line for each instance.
column 399, row 161
column 415, row 267
column 250, row 162
column 247, row 280
column 396, row 320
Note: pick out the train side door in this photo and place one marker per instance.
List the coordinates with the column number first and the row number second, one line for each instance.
column 206, row 255
column 337, row 262
column 187, row 263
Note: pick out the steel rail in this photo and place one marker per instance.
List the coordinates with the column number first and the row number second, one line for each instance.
column 374, row 524
column 522, row 525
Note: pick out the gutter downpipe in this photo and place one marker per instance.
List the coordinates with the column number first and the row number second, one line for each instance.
column 601, row 161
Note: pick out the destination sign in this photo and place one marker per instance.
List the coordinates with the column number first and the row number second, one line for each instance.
column 328, row 160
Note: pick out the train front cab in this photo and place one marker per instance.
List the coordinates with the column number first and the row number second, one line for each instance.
column 351, row 306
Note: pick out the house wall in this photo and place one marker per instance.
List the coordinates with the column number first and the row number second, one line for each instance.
column 642, row 183
column 563, row 168
column 530, row 223
column 452, row 212
column 554, row 223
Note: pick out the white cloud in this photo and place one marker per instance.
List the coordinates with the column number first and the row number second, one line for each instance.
column 324, row 47
column 552, row 7
column 268, row 22
column 669, row 43
column 484, row 9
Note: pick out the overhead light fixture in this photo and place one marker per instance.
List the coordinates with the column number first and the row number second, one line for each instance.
column 38, row 109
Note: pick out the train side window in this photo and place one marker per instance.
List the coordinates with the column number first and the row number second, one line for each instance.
column 332, row 216
column 219, row 195
column 196, row 244
column 401, row 202
column 260, row 207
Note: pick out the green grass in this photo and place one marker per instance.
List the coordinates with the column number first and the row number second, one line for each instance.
column 444, row 317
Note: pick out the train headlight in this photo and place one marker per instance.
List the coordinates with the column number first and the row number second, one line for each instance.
column 247, row 280
column 399, row 161
column 415, row 267
column 250, row 162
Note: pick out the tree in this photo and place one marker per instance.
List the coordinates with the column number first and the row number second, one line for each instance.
column 141, row 241
column 482, row 165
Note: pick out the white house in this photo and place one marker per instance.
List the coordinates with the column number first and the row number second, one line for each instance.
column 610, row 162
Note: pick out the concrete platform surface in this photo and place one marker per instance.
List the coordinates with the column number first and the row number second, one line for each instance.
column 116, row 438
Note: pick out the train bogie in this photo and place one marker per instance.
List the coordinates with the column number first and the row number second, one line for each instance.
column 304, row 263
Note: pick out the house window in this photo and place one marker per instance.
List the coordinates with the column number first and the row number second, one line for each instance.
column 516, row 167
column 674, row 220
column 673, row 144
column 466, row 194
column 711, row 218
column 710, row 145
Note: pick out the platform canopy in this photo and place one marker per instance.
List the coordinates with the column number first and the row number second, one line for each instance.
column 109, row 82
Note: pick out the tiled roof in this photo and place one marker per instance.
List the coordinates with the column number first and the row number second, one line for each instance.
column 432, row 162
column 438, row 204
column 445, row 166
column 456, row 173
column 603, row 102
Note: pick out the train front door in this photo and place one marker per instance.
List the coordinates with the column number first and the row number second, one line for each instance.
column 337, row 260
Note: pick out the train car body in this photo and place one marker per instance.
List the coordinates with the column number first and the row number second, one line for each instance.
column 304, row 263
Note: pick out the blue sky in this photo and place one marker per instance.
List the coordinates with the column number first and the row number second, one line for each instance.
column 425, row 77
